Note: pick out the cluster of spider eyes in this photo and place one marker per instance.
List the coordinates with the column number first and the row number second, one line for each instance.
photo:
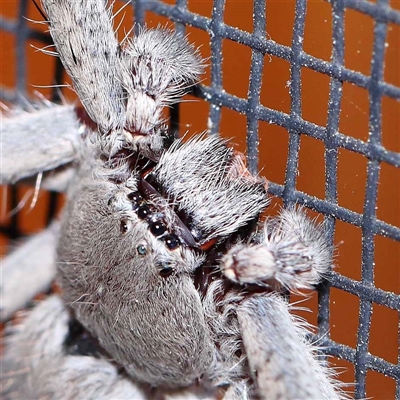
column 156, row 226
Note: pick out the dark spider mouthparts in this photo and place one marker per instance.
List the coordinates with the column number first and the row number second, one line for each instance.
column 190, row 236
column 157, row 227
column 203, row 275
column 147, row 190
column 186, row 233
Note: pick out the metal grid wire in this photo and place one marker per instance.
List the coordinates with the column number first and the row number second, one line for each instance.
column 373, row 149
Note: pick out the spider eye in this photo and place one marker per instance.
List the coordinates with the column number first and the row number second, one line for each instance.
column 143, row 212
column 111, row 201
column 124, row 226
column 172, row 241
column 141, row 250
column 166, row 271
column 135, row 197
column 157, row 228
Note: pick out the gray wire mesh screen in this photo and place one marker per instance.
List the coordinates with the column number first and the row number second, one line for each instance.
column 373, row 150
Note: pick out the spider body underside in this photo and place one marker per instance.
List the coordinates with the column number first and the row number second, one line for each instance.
column 170, row 284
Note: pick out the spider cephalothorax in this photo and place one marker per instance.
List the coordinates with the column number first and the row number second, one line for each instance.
column 130, row 250
column 168, row 278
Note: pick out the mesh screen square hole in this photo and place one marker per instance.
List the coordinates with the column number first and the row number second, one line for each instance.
column 384, row 325
column 311, row 170
column 359, row 35
column 7, row 59
column 193, row 115
column 388, row 204
column 354, row 115
column 11, row 11
column 352, row 173
column 391, row 122
column 279, row 29
column 314, row 96
column 318, row 30
column 200, row 7
column 236, row 60
column 386, row 272
column 239, row 14
column 380, row 386
column 395, row 4
column 237, row 137
column 344, row 317
column 392, row 59
column 275, row 84
column 347, row 253
column 273, row 149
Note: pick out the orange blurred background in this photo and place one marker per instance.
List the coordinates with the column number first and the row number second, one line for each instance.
column 274, row 142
